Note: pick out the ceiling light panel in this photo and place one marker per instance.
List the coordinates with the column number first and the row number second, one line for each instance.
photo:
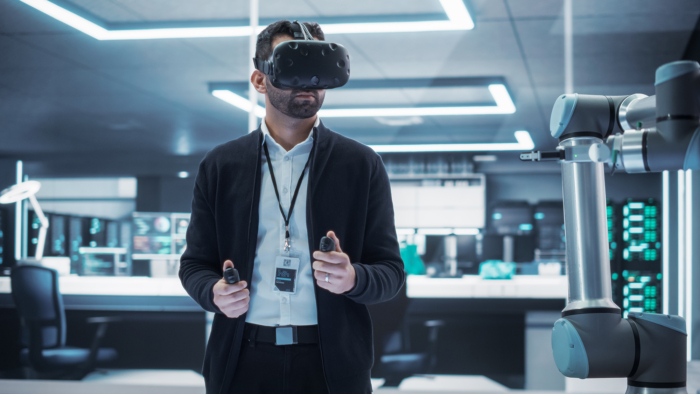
column 503, row 104
column 189, row 10
column 458, row 18
column 374, row 7
column 131, row 11
column 434, row 96
column 523, row 142
column 108, row 11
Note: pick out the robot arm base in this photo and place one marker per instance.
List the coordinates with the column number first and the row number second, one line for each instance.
column 648, row 349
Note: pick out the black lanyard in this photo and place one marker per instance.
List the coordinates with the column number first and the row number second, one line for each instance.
column 287, row 240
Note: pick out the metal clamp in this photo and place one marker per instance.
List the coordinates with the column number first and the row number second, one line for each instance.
column 596, row 153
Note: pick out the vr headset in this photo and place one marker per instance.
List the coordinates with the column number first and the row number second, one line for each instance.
column 306, row 63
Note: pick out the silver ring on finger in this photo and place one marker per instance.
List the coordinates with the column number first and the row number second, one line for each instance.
column 327, row 276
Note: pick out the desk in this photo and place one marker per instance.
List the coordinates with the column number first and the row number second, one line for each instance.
column 116, row 293
column 527, row 302
column 472, row 286
column 157, row 313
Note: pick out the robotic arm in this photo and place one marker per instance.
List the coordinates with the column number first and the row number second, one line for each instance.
column 634, row 134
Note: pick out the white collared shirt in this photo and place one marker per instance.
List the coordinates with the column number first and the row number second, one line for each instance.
column 269, row 308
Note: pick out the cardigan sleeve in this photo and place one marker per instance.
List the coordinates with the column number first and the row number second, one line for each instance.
column 200, row 266
column 380, row 272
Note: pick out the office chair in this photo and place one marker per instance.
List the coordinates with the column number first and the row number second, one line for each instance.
column 396, row 361
column 40, row 307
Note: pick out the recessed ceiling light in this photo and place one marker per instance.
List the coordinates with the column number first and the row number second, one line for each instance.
column 504, row 105
column 399, row 122
column 523, row 137
column 458, row 19
column 183, row 174
column 238, row 101
column 182, row 145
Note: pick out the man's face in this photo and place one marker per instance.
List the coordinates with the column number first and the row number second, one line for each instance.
column 295, row 103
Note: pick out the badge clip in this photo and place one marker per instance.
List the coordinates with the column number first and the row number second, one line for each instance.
column 287, row 240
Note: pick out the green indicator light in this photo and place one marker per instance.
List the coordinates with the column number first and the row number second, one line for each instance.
column 658, row 276
column 614, row 276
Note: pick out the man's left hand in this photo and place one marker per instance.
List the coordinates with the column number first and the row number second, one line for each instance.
column 341, row 273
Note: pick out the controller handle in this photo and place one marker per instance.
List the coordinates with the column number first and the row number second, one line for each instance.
column 327, row 245
column 231, row 276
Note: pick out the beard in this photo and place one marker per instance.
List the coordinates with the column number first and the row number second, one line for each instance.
column 285, row 102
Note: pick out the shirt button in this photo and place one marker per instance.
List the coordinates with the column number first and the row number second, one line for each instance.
column 285, row 190
column 284, row 300
column 286, row 158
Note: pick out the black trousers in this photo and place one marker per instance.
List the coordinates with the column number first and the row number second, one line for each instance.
column 266, row 368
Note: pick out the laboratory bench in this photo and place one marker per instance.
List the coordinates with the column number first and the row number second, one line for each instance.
column 489, row 324
column 497, row 328
column 116, row 293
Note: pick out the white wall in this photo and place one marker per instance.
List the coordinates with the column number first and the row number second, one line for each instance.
column 109, row 198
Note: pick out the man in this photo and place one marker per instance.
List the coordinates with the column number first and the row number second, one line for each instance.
column 261, row 204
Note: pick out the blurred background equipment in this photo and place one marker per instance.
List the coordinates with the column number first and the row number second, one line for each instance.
column 17, row 194
column 111, row 106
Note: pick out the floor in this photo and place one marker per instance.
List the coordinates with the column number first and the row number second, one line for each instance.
column 190, row 382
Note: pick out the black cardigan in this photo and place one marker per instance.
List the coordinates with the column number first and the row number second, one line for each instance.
column 349, row 193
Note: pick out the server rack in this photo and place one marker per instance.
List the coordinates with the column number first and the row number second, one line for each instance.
column 635, row 250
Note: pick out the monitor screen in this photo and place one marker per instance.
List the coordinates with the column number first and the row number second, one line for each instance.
column 435, row 248
column 491, row 248
column 159, row 234
column 466, row 248
column 511, row 218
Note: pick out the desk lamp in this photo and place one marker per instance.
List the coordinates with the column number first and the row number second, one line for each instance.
column 19, row 192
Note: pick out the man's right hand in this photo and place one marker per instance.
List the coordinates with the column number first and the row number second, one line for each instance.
column 232, row 300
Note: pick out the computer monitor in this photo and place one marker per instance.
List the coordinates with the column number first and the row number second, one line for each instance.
column 466, row 248
column 510, row 217
column 159, row 235
column 98, row 264
column 524, row 248
column 490, row 247
column 434, row 249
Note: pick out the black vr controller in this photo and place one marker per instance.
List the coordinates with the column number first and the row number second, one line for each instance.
column 327, row 245
column 231, row 276
column 306, row 63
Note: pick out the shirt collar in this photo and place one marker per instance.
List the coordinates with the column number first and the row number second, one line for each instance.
column 266, row 134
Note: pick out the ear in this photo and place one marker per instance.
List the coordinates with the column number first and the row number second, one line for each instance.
column 258, row 81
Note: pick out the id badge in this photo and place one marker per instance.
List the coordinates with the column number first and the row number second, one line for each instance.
column 286, row 269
